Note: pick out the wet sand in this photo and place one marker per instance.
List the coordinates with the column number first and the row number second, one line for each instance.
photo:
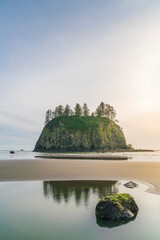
column 83, row 156
column 52, row 169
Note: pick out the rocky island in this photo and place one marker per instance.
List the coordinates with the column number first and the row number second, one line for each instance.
column 76, row 134
column 81, row 133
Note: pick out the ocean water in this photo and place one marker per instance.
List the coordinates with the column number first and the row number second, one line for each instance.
column 66, row 210
column 5, row 155
column 132, row 156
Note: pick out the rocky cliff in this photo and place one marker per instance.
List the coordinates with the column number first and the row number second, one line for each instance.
column 65, row 134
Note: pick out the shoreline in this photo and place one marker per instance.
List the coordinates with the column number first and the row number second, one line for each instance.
column 94, row 152
column 62, row 170
column 82, row 157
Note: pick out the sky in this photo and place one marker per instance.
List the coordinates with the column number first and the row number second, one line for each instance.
column 56, row 52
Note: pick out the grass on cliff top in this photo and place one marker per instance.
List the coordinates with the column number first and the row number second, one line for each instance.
column 77, row 123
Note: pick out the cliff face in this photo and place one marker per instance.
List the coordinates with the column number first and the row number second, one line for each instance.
column 64, row 134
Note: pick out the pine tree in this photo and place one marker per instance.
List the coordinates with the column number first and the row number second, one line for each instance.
column 102, row 107
column 55, row 113
column 60, row 110
column 67, row 111
column 78, row 110
column 100, row 111
column 110, row 112
column 48, row 116
column 85, row 110
column 105, row 110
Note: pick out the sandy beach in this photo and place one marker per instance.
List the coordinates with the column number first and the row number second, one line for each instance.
column 49, row 169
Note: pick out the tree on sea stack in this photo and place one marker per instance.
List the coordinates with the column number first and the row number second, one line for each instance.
column 78, row 110
column 85, row 110
column 110, row 112
column 100, row 111
column 67, row 111
column 55, row 112
column 60, row 110
column 48, row 116
column 105, row 110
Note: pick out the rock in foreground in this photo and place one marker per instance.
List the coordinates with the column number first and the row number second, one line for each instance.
column 117, row 207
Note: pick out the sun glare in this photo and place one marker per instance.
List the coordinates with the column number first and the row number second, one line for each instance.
column 146, row 104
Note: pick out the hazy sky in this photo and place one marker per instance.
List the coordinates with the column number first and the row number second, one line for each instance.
column 56, row 52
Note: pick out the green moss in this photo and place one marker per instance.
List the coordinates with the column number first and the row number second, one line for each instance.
column 120, row 199
column 117, row 197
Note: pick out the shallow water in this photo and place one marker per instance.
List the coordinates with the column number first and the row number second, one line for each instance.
column 133, row 156
column 5, row 155
column 66, row 210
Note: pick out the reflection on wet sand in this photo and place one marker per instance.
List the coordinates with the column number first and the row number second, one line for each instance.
column 62, row 191
column 81, row 193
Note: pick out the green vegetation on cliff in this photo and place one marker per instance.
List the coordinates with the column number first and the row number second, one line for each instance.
column 74, row 133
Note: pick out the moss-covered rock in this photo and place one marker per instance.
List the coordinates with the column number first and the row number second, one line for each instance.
column 73, row 133
column 117, row 207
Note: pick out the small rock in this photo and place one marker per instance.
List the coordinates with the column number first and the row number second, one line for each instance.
column 117, row 207
column 12, row 152
column 131, row 184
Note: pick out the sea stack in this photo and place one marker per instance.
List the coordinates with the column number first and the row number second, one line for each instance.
column 76, row 134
